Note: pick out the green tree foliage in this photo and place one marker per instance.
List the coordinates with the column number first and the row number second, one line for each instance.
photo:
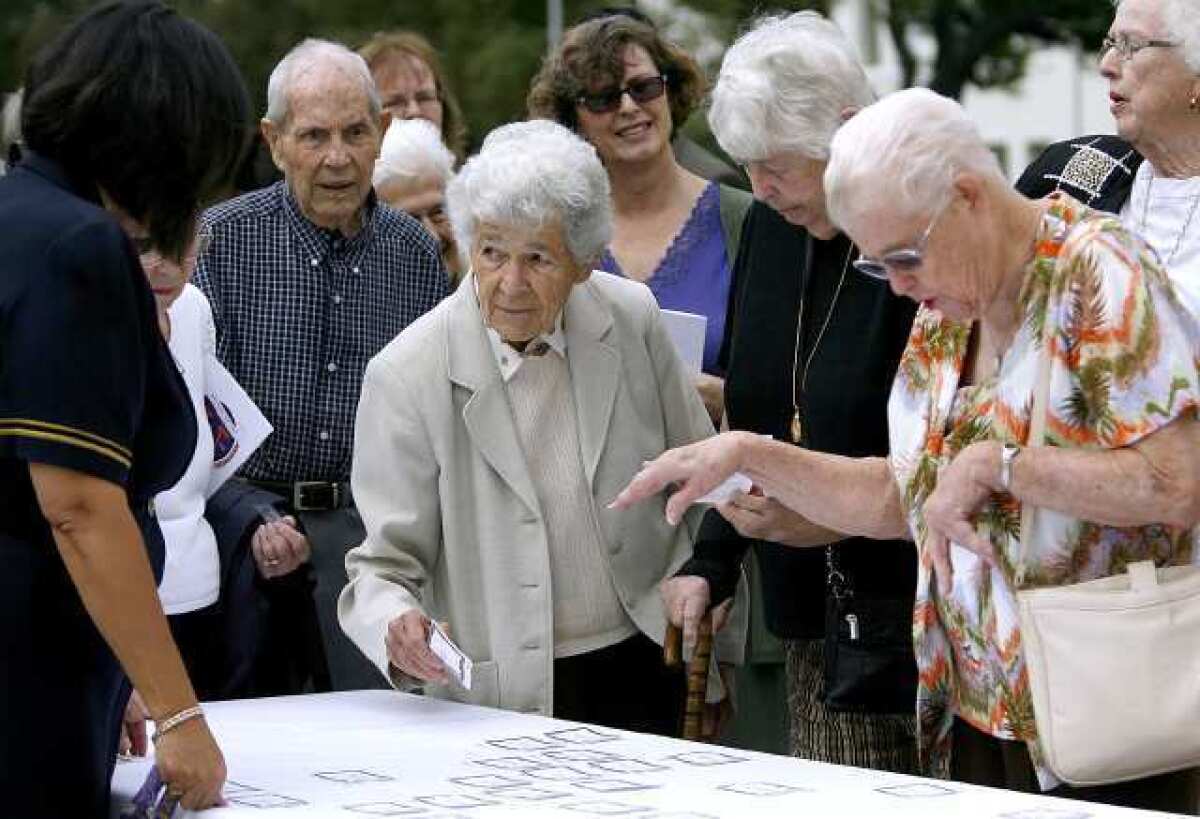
column 986, row 42
column 493, row 47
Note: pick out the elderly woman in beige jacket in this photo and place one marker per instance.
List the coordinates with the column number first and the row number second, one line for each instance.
column 491, row 435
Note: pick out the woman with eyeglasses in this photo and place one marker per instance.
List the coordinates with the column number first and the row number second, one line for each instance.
column 621, row 86
column 214, row 539
column 1150, row 174
column 413, row 85
column 1116, row 481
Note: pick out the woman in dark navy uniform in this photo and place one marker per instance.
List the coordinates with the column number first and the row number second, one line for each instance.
column 133, row 110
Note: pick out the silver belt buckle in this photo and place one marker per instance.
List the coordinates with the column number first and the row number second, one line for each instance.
column 299, row 488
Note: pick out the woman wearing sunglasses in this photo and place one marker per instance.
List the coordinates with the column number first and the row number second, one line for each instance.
column 1006, row 285
column 625, row 89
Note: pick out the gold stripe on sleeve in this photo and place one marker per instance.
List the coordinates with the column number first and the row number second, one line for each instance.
column 72, row 431
column 10, row 431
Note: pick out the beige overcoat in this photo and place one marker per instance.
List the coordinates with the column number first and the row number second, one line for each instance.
column 452, row 517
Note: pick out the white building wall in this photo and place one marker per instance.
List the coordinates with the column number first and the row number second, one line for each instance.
column 1061, row 95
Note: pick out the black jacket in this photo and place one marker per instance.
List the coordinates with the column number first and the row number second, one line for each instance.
column 1096, row 170
column 844, row 406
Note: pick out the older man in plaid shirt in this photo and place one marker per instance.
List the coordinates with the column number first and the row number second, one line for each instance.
column 308, row 279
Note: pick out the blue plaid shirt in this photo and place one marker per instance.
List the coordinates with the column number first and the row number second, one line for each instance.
column 301, row 310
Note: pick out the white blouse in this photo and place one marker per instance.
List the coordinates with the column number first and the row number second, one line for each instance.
column 192, row 577
column 1170, row 223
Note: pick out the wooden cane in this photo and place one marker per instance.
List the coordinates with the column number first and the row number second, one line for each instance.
column 697, row 673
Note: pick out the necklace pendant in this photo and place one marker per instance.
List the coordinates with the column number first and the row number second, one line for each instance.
column 797, row 429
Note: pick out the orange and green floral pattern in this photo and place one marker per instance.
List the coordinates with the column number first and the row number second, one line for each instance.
column 1123, row 365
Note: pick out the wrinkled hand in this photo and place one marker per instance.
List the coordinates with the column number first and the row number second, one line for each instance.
column 695, row 469
column 279, row 548
column 761, row 518
column 963, row 488
column 191, row 765
column 408, row 649
column 133, row 727
column 712, row 393
column 685, row 602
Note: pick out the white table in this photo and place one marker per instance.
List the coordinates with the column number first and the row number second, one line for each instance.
column 365, row 754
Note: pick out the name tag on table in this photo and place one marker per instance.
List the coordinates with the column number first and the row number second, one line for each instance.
column 458, row 663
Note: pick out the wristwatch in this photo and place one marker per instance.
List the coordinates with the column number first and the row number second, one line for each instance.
column 1008, row 454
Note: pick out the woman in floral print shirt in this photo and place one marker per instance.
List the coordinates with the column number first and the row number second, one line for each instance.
column 1001, row 281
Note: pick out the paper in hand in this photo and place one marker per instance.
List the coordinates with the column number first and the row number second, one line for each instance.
column 737, row 482
column 268, row 513
column 457, row 663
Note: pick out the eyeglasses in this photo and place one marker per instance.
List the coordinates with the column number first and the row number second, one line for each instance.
column 901, row 260
column 1127, row 45
column 145, row 246
column 641, row 90
column 421, row 99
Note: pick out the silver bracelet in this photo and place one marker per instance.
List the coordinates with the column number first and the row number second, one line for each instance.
column 175, row 720
column 1008, row 456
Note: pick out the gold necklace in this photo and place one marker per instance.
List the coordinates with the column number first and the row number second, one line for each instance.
column 797, row 427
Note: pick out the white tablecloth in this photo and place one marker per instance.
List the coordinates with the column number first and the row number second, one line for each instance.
column 378, row 753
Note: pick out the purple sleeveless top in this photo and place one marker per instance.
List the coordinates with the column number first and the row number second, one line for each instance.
column 693, row 275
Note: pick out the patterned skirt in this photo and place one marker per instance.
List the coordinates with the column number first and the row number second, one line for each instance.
column 885, row 742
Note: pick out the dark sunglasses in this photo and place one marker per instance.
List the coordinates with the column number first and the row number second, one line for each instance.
column 640, row 91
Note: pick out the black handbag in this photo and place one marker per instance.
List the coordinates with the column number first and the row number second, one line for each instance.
column 869, row 662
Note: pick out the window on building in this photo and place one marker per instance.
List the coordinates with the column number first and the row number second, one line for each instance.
column 868, row 32
column 1001, row 152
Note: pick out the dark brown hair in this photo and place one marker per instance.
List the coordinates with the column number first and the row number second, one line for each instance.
column 386, row 45
column 147, row 105
column 592, row 55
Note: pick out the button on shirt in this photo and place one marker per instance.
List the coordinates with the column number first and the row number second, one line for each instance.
column 301, row 310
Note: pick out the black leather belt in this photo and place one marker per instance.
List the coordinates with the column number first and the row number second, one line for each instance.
column 311, row 496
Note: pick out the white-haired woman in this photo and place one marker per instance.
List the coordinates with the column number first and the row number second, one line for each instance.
column 411, row 173
column 814, row 351
column 1119, row 482
column 492, row 432
column 1150, row 175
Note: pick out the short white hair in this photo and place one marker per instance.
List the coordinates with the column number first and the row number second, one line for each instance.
column 302, row 59
column 413, row 149
column 529, row 175
column 783, row 87
column 1181, row 23
column 905, row 150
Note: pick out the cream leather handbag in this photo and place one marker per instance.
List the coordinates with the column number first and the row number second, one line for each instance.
column 1114, row 664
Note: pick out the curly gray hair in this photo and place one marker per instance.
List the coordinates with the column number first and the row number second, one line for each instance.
column 412, row 149
column 529, row 175
column 783, row 87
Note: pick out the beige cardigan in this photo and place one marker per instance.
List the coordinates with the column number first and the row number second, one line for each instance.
column 452, row 518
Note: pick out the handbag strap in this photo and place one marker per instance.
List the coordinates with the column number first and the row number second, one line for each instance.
column 836, row 582
column 1037, row 436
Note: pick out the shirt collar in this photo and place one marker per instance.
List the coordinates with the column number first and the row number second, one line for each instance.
column 319, row 241
column 508, row 358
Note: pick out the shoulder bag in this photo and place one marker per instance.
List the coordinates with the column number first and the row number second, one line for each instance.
column 1114, row 664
